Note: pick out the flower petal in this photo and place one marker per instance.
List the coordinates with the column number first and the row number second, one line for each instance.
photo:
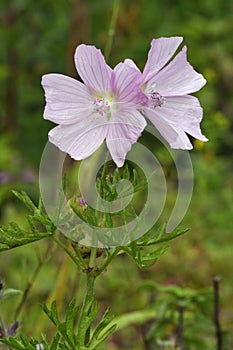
column 184, row 112
column 92, row 68
column 177, row 78
column 67, row 100
column 174, row 135
column 131, row 64
column 161, row 51
column 126, row 85
column 79, row 140
column 124, row 130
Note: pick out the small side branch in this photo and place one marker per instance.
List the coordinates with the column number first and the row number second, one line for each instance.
column 218, row 331
column 180, row 328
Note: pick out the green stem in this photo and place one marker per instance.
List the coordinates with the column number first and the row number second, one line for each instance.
column 2, row 325
column 83, row 326
column 73, row 258
column 88, row 307
column 104, row 171
column 111, row 30
column 108, row 260
column 92, row 259
column 105, row 167
column 79, row 257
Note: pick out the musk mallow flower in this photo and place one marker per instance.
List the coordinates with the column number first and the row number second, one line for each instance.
column 103, row 107
column 167, row 87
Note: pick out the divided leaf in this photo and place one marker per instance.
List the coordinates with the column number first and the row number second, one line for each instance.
column 12, row 236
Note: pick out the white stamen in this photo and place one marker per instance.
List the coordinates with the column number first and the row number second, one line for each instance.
column 155, row 99
column 101, row 106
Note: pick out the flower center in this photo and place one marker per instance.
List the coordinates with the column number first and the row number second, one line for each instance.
column 101, row 106
column 155, row 99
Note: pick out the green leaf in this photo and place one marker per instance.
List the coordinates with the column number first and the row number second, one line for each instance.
column 135, row 177
column 106, row 185
column 51, row 313
column 149, row 259
column 19, row 343
column 106, row 319
column 102, row 336
column 43, row 219
column 108, row 218
column 55, row 342
column 70, row 320
column 160, row 236
column 9, row 292
column 87, row 316
column 45, row 343
column 91, row 216
column 12, row 236
column 64, row 328
column 116, row 176
column 169, row 236
column 133, row 318
column 78, row 213
column 126, row 173
column 64, row 346
column 23, row 197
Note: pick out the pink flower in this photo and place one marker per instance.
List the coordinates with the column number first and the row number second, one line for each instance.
column 82, row 202
column 104, row 107
column 166, row 89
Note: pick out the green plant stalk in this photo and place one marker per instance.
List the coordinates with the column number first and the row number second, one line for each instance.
column 111, row 30
column 108, row 47
column 81, row 265
column 92, row 272
column 108, row 260
column 92, row 260
column 83, row 326
column 2, row 323
column 79, row 257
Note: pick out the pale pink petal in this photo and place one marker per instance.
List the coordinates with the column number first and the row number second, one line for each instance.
column 131, row 64
column 161, row 51
column 67, row 100
column 183, row 112
column 124, row 129
column 126, row 84
column 177, row 78
column 79, row 140
column 92, row 68
column 174, row 135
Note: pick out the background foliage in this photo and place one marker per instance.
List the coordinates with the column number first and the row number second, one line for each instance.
column 40, row 37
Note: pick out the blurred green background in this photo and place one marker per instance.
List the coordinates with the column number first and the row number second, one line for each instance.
column 39, row 37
